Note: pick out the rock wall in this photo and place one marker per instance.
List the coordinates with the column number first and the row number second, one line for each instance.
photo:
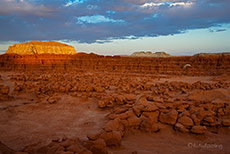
column 200, row 65
column 40, row 47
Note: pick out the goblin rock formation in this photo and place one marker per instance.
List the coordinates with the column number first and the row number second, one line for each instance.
column 150, row 54
column 40, row 47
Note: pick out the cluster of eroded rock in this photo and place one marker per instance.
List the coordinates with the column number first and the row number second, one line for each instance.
column 136, row 103
column 4, row 93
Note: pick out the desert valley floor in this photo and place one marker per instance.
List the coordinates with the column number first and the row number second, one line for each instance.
column 114, row 113
column 56, row 101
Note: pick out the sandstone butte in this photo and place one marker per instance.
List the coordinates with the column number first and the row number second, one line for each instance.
column 150, row 54
column 41, row 47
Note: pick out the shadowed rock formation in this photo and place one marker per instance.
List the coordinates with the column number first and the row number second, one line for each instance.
column 41, row 47
column 200, row 65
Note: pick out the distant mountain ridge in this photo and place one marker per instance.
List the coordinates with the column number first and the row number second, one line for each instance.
column 150, row 54
column 212, row 54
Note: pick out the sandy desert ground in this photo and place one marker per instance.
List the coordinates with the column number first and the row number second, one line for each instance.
column 120, row 113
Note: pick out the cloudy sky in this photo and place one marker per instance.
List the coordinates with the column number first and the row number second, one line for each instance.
column 119, row 26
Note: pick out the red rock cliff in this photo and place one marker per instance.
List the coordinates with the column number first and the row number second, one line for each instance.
column 200, row 65
column 41, row 47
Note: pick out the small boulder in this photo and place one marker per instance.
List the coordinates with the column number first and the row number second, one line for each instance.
column 151, row 107
column 137, row 109
column 75, row 148
column 130, row 97
column 67, row 143
column 99, row 89
column 4, row 90
column 198, row 129
column 161, row 105
column 53, row 100
column 226, row 122
column 126, row 115
column 113, row 125
column 158, row 100
column 101, row 104
column 168, row 118
column 55, row 149
column 93, row 136
column 186, row 121
column 148, row 125
column 153, row 116
column 133, row 121
column 195, row 119
column 112, row 138
column 97, row 147
column 202, row 114
column 209, row 119
column 4, row 97
column 181, row 128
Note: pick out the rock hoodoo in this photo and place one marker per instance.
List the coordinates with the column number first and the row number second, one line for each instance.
column 41, row 47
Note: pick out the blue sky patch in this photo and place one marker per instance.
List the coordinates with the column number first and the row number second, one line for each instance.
column 96, row 19
column 72, row 2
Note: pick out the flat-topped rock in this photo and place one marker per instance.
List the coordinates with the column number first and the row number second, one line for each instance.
column 41, row 47
column 212, row 54
column 150, row 54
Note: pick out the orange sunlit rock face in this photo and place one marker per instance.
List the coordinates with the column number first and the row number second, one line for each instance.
column 41, row 47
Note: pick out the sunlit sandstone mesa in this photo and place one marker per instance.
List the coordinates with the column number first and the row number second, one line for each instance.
column 41, row 47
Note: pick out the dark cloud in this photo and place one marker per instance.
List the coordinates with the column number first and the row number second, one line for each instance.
column 23, row 20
